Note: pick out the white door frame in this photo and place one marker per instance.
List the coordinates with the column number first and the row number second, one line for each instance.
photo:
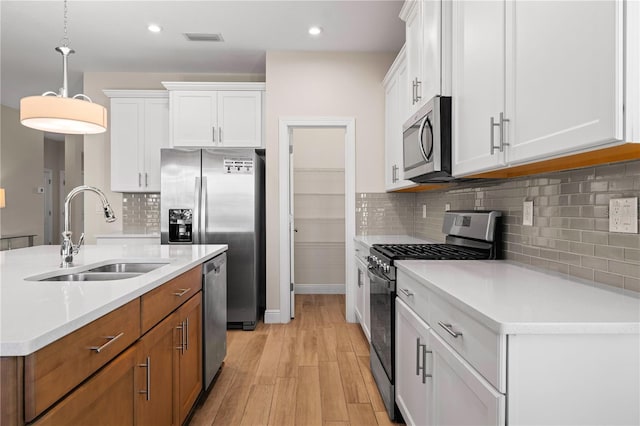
column 48, row 207
column 349, row 124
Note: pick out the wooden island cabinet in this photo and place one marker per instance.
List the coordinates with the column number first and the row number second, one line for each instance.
column 140, row 364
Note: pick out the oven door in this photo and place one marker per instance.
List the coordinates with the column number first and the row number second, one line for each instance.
column 382, row 297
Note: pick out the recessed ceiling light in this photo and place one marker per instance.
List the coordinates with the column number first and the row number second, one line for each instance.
column 154, row 28
column 314, row 31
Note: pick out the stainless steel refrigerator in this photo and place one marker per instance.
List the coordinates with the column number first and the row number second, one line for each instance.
column 216, row 196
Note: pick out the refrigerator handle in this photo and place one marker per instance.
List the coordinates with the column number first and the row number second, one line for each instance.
column 196, row 213
column 203, row 212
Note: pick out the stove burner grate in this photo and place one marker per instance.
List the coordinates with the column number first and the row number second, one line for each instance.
column 431, row 252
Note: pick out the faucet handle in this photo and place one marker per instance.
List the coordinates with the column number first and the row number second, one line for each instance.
column 76, row 248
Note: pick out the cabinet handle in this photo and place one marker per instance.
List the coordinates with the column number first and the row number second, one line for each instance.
column 220, row 134
column 492, row 136
column 418, row 368
column 112, row 339
column 502, row 122
column 213, row 132
column 139, row 179
column 413, row 92
column 146, row 179
column 424, row 364
column 181, row 328
column 449, row 329
column 418, row 84
column 186, row 335
column 183, row 291
column 147, row 392
column 406, row 292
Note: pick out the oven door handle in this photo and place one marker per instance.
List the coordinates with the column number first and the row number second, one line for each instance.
column 375, row 277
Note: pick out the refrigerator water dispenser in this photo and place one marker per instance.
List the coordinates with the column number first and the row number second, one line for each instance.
column 180, row 225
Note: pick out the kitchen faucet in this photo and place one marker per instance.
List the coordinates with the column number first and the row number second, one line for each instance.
column 67, row 248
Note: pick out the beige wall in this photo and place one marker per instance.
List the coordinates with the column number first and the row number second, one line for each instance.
column 97, row 149
column 21, row 173
column 54, row 161
column 305, row 84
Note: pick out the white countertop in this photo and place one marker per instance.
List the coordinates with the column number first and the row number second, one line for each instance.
column 120, row 235
column 513, row 299
column 34, row 314
column 370, row 240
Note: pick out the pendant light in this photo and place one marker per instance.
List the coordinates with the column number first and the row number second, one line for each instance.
column 57, row 112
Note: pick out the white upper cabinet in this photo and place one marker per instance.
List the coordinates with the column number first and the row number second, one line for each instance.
column 216, row 114
column 395, row 111
column 139, row 129
column 427, row 40
column 533, row 80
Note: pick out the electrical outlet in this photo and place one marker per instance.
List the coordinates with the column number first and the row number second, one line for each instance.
column 447, row 207
column 623, row 215
column 424, row 211
column 527, row 213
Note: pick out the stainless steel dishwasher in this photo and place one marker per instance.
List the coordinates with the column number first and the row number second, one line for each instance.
column 214, row 327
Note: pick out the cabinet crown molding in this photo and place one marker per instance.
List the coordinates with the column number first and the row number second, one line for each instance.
column 200, row 85
column 407, row 8
column 127, row 93
column 400, row 59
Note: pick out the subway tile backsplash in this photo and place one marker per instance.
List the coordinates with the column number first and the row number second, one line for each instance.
column 141, row 213
column 570, row 233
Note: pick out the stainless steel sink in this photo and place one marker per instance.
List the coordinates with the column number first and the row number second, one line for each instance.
column 93, row 276
column 128, row 267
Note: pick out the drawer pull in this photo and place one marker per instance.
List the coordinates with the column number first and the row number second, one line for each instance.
column 406, row 292
column 147, row 392
column 448, row 328
column 183, row 291
column 112, row 339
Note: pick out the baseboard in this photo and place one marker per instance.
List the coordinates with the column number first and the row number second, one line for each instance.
column 320, row 288
column 272, row 316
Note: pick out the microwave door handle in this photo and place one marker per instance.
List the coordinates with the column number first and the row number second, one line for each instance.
column 420, row 132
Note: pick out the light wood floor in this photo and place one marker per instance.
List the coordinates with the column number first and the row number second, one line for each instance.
column 312, row 371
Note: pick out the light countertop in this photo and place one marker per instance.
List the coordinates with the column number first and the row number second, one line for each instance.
column 120, row 235
column 370, row 240
column 34, row 314
column 512, row 299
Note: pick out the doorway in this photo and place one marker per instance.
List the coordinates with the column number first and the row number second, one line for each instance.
column 48, row 207
column 287, row 208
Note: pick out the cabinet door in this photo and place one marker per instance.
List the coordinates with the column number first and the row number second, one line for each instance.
column 431, row 49
column 414, row 40
column 156, row 355
column 413, row 356
column 189, row 338
column 156, row 137
column 564, row 82
column 240, row 118
column 460, row 395
column 194, row 118
column 105, row 399
column 478, row 83
column 127, row 149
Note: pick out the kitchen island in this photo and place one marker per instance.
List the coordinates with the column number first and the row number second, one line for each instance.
column 62, row 341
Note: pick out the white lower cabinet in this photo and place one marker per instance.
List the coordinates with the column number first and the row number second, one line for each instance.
column 460, row 395
column 362, row 308
column 413, row 352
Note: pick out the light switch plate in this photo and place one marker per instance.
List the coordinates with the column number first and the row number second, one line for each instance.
column 527, row 213
column 447, row 207
column 623, row 215
column 424, row 211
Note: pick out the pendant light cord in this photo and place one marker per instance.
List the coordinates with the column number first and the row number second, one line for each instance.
column 65, row 39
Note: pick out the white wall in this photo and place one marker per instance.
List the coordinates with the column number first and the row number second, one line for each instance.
column 54, row 160
column 97, row 148
column 304, row 84
column 21, row 172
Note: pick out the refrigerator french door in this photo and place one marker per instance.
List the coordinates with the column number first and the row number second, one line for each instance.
column 216, row 196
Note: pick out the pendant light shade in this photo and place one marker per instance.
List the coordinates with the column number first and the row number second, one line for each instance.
column 58, row 113
column 62, row 115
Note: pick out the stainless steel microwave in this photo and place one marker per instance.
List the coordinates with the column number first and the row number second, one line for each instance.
column 427, row 142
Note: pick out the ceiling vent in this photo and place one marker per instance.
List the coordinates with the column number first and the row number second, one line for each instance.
column 203, row 37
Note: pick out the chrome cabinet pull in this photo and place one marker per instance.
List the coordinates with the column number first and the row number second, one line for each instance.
column 147, row 391
column 502, row 122
column 181, row 328
column 213, row 131
column 220, row 134
column 413, row 92
column 418, row 346
column 146, row 179
column 492, row 136
column 183, row 291
column 418, row 85
column 449, row 329
column 424, row 364
column 112, row 339
column 186, row 335
column 406, row 292
column 139, row 179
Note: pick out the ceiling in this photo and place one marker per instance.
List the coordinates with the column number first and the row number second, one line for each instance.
column 112, row 36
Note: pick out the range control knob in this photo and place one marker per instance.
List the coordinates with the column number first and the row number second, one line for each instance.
column 387, row 268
